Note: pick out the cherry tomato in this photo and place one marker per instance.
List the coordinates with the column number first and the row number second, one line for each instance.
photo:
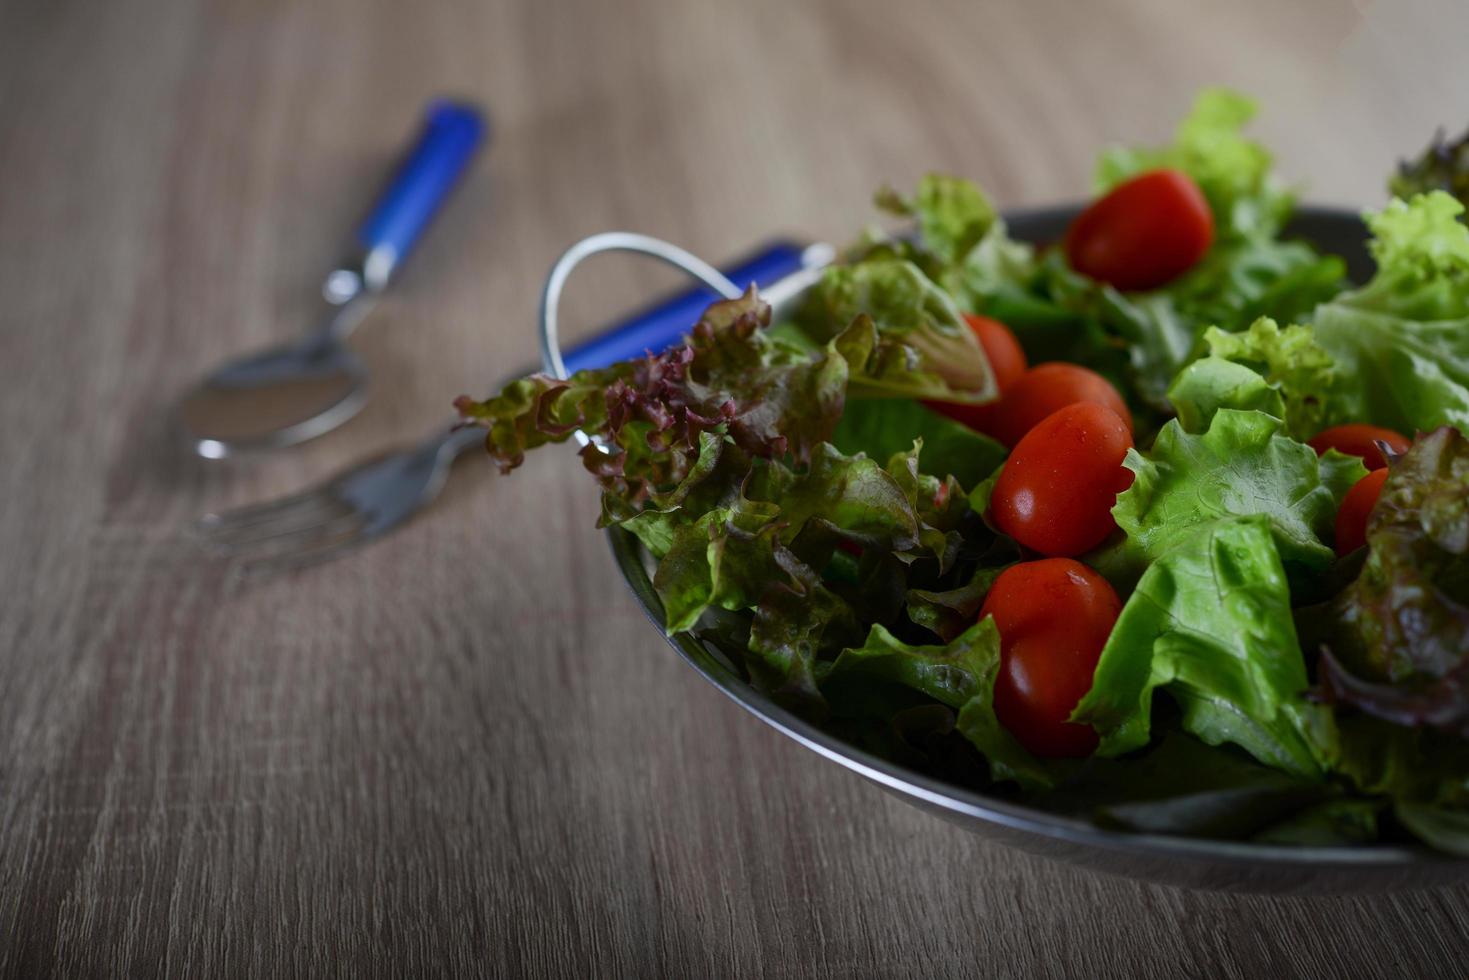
column 1033, row 595
column 1040, row 392
column 1351, row 517
column 1007, row 360
column 1054, row 617
column 1056, row 491
column 1360, row 440
column 1144, row 233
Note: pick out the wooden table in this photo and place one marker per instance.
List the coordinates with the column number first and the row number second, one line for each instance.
column 463, row 749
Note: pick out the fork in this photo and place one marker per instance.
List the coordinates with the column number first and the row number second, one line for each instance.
column 377, row 495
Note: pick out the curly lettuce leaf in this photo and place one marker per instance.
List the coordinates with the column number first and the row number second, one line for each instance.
column 952, row 214
column 1234, row 172
column 1283, row 373
column 1241, row 465
column 950, row 673
column 649, row 414
column 1213, row 383
column 962, row 244
column 903, row 333
column 959, row 674
column 1399, row 647
column 746, row 534
column 1443, row 166
column 728, row 555
column 948, row 612
column 1401, row 342
column 1423, row 774
column 1210, row 624
column 1421, row 247
column 881, row 428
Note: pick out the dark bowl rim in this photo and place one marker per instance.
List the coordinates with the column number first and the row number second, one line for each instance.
column 960, row 802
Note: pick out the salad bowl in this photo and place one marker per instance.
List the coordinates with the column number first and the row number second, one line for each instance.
column 1172, row 860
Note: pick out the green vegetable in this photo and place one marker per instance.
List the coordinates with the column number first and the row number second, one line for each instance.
column 1283, row 373
column 1399, row 643
column 1422, row 773
column 1441, row 827
column 960, row 674
column 1184, row 786
column 952, row 215
column 950, row 612
column 1241, row 465
column 1212, row 383
column 1401, row 343
column 766, row 397
column 905, row 332
column 1292, row 363
column 1210, row 624
column 1443, row 166
column 881, row 428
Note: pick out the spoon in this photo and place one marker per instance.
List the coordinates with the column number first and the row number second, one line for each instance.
column 294, row 392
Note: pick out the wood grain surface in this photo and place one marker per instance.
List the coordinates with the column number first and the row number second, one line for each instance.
column 463, row 750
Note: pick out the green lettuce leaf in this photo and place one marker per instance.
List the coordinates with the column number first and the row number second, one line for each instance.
column 1212, row 383
column 883, row 427
column 1422, row 251
column 1444, row 828
column 1181, row 785
column 747, row 534
column 951, row 611
column 1241, row 465
column 950, row 674
column 1339, row 822
column 1291, row 362
column 1283, row 373
column 1210, row 624
column 1422, row 773
column 952, row 214
column 962, row 245
column 959, row 674
column 779, row 518
column 1401, row 342
column 902, row 328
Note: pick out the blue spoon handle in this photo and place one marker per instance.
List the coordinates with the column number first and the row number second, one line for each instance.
column 451, row 132
column 660, row 326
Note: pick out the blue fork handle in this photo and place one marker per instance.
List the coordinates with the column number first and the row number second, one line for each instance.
column 451, row 132
column 662, row 325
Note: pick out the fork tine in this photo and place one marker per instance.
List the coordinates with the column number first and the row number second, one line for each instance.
column 297, row 537
column 289, row 560
column 300, row 517
column 241, row 517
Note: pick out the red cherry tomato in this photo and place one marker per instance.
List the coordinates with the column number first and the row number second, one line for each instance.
column 1043, row 390
column 1007, row 360
column 1056, row 491
column 1360, row 440
column 1054, row 617
column 1351, row 517
column 1144, row 233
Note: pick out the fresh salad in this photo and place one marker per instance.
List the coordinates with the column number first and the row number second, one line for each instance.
column 1164, row 525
